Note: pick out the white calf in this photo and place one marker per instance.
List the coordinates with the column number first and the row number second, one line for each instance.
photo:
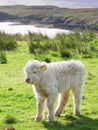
column 50, row 79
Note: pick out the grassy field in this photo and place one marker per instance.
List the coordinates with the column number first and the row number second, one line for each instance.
column 18, row 104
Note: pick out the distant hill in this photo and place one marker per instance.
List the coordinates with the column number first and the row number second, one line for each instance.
column 6, row 16
column 59, row 3
column 52, row 15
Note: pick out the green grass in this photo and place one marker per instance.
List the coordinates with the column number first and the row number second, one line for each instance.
column 18, row 104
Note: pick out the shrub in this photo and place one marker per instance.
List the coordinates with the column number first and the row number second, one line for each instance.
column 94, row 45
column 7, row 42
column 72, row 45
column 3, row 59
column 34, row 42
column 9, row 119
column 66, row 53
column 47, row 59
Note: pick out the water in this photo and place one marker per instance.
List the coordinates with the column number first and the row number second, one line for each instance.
column 14, row 28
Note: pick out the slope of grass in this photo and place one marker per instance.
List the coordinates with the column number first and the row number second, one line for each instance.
column 18, row 104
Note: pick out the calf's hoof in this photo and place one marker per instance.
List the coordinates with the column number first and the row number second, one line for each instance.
column 57, row 113
column 38, row 118
column 51, row 119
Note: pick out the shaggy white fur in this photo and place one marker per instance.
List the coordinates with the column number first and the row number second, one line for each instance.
column 51, row 79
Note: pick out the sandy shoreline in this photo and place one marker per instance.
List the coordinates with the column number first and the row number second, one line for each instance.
column 34, row 23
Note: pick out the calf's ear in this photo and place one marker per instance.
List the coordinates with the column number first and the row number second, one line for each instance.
column 43, row 67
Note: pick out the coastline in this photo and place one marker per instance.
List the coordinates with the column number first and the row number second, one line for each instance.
column 17, row 27
column 52, row 17
column 40, row 24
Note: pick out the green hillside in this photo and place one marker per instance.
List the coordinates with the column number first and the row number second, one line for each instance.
column 52, row 15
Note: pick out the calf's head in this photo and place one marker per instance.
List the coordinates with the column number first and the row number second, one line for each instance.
column 33, row 71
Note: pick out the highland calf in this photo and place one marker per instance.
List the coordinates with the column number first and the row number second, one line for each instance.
column 51, row 79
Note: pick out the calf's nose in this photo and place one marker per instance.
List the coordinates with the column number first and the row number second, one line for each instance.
column 27, row 80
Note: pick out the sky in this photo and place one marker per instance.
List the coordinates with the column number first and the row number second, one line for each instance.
column 60, row 3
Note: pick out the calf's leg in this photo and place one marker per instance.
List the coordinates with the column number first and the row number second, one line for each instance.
column 40, row 109
column 77, row 100
column 50, row 104
column 63, row 99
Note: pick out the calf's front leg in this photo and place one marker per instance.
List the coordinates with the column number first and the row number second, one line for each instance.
column 50, row 104
column 40, row 109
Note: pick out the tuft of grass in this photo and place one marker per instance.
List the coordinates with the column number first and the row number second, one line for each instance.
column 10, row 128
column 7, row 42
column 10, row 89
column 3, row 58
column 9, row 119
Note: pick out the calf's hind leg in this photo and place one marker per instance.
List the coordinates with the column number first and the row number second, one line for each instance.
column 62, row 101
column 77, row 100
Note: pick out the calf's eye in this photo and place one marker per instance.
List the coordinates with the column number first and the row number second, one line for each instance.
column 34, row 72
